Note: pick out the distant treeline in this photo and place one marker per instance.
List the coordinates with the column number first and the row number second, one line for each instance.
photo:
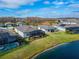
column 10, row 19
column 40, row 21
column 33, row 20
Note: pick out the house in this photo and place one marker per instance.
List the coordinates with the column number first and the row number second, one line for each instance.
column 64, row 22
column 68, row 21
column 10, row 24
column 20, row 23
column 46, row 28
column 72, row 29
column 68, row 27
column 2, row 25
column 28, row 31
column 5, row 37
column 60, row 27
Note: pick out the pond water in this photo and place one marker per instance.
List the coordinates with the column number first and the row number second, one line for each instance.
column 65, row 51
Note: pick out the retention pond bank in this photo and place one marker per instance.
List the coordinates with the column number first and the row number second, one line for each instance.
column 65, row 51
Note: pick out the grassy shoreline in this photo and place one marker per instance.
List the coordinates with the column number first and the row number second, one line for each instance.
column 46, row 50
column 39, row 45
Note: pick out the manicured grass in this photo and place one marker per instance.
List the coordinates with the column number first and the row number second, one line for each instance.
column 40, row 44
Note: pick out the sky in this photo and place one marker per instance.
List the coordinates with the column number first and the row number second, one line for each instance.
column 39, row 8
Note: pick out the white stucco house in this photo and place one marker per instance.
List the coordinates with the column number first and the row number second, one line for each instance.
column 64, row 27
column 20, row 24
column 28, row 31
column 23, row 31
column 46, row 28
column 60, row 28
column 68, row 21
column 65, row 23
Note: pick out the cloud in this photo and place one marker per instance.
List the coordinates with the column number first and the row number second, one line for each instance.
column 8, row 6
column 17, row 13
column 75, row 12
column 46, row 11
column 58, row 3
column 74, row 5
column 15, row 3
column 26, row 11
column 46, row 2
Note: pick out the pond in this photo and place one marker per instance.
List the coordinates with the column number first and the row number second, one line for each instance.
column 65, row 51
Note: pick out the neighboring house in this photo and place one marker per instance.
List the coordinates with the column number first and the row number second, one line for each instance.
column 68, row 27
column 68, row 21
column 20, row 23
column 2, row 25
column 72, row 29
column 60, row 27
column 5, row 37
column 46, row 28
column 10, row 24
column 28, row 31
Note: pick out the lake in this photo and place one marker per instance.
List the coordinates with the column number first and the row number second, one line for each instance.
column 65, row 51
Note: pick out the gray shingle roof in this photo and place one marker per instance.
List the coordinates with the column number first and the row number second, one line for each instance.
column 69, row 25
column 46, row 27
column 25, row 28
column 72, row 25
column 5, row 36
column 70, row 20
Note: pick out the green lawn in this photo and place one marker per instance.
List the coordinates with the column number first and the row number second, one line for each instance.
column 40, row 44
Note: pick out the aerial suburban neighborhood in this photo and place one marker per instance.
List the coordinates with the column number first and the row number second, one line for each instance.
column 11, row 31
column 15, row 34
column 39, row 29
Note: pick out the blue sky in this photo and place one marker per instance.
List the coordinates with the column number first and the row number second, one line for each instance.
column 39, row 8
